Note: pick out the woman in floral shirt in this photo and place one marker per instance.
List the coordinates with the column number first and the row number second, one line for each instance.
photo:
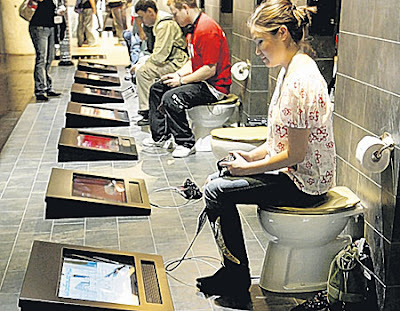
column 296, row 165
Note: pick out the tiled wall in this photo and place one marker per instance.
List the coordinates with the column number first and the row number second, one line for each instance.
column 367, row 102
column 253, row 91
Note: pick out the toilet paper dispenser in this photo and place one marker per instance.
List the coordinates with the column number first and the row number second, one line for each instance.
column 389, row 145
column 374, row 153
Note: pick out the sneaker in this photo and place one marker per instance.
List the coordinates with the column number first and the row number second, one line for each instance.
column 162, row 143
column 182, row 151
column 42, row 97
column 53, row 94
column 144, row 113
column 238, row 302
column 143, row 122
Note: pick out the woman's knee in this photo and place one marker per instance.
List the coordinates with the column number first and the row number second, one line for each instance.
column 213, row 190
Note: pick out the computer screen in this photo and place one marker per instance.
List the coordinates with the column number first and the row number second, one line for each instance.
column 100, row 91
column 98, row 188
column 97, row 141
column 93, row 277
column 97, row 112
column 93, row 77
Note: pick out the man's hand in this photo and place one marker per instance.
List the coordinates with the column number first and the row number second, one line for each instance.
column 133, row 69
column 172, row 79
column 61, row 10
column 142, row 35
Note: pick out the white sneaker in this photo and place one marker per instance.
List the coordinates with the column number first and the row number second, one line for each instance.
column 182, row 151
column 163, row 143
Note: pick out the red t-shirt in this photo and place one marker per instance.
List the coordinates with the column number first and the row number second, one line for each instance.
column 208, row 45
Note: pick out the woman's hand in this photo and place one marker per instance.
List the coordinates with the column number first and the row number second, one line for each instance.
column 245, row 155
column 172, row 79
column 238, row 166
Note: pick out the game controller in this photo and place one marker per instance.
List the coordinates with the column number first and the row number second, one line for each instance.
column 223, row 170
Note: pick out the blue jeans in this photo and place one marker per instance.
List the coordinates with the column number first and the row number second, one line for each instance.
column 223, row 193
column 43, row 41
column 133, row 43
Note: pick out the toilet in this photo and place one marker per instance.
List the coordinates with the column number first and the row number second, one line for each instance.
column 224, row 140
column 204, row 118
column 303, row 241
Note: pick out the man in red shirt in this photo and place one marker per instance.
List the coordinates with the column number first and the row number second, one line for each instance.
column 205, row 78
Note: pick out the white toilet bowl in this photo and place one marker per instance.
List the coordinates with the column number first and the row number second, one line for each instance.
column 224, row 140
column 204, row 118
column 303, row 242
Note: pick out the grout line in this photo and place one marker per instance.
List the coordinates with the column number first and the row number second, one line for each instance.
column 360, row 172
column 370, row 37
column 241, row 36
column 368, row 84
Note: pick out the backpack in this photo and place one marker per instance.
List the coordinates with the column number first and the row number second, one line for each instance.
column 350, row 281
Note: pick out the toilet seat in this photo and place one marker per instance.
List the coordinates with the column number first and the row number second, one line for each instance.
column 339, row 199
column 224, row 140
column 241, row 134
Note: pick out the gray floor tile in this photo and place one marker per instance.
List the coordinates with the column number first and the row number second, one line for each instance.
column 9, row 205
column 13, row 282
column 9, row 302
column 11, row 218
column 185, row 299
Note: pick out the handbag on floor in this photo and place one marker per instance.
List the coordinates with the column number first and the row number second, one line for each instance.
column 27, row 9
column 351, row 284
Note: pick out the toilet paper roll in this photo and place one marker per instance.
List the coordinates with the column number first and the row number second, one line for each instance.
column 365, row 154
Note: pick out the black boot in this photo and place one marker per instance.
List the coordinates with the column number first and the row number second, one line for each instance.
column 234, row 277
column 225, row 282
column 239, row 302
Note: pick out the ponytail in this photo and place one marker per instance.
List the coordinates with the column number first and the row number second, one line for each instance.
column 271, row 14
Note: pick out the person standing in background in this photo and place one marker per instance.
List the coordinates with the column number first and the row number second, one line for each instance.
column 118, row 12
column 41, row 30
column 85, row 22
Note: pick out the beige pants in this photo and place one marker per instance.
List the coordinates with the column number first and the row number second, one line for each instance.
column 145, row 77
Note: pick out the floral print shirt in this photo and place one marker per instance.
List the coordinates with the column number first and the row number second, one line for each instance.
column 301, row 100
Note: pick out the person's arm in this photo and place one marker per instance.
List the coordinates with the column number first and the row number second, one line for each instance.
column 295, row 153
column 179, row 78
column 176, row 76
column 139, row 22
column 163, row 44
column 93, row 5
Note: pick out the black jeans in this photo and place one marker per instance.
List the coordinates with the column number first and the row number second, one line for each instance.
column 167, row 114
column 223, row 193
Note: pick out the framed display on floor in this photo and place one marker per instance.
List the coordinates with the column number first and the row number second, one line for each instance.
column 79, row 145
column 91, row 78
column 96, row 67
column 62, row 277
column 72, row 194
column 81, row 115
column 83, row 93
